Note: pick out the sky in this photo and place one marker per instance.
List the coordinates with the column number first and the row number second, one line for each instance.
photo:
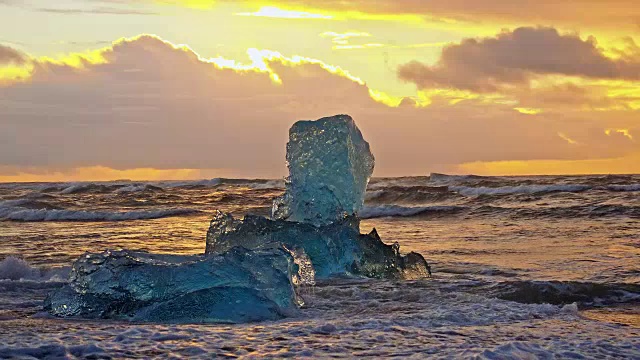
column 165, row 89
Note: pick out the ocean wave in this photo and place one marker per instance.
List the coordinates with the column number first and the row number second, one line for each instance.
column 12, row 268
column 520, row 189
column 629, row 187
column 270, row 184
column 21, row 214
column 25, row 203
column 81, row 188
column 193, row 184
column 445, row 178
column 579, row 211
column 410, row 194
column 599, row 210
column 565, row 292
column 257, row 184
column 371, row 212
column 138, row 188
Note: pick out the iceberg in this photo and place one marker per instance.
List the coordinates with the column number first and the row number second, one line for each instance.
column 236, row 287
column 334, row 250
column 330, row 165
column 252, row 267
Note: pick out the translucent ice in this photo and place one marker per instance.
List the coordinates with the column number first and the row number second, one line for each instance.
column 329, row 168
column 335, row 249
column 238, row 286
column 250, row 266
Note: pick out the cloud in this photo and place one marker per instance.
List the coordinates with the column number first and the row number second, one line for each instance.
column 624, row 132
column 195, row 4
column 514, row 58
column 613, row 14
column 10, row 55
column 341, row 40
column 146, row 103
column 274, row 12
column 97, row 10
column 620, row 15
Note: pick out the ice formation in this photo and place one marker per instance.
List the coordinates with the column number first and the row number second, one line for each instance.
column 329, row 168
column 238, row 286
column 251, row 267
column 335, row 249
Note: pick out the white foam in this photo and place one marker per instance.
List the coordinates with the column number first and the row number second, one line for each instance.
column 349, row 318
column 521, row 189
column 271, row 184
column 12, row 268
column 373, row 194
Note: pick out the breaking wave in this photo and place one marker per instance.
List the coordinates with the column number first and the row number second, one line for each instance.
column 630, row 187
column 12, row 268
column 410, row 194
column 521, row 189
column 565, row 292
column 22, row 214
column 579, row 211
column 371, row 212
column 82, row 188
column 138, row 188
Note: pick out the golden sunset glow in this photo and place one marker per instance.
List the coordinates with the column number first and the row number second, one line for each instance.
column 438, row 86
column 274, row 12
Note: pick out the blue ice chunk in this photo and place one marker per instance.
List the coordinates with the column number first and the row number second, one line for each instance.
column 330, row 164
column 336, row 249
column 235, row 287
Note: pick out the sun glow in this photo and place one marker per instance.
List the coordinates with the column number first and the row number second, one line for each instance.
column 11, row 74
column 622, row 165
column 275, row 12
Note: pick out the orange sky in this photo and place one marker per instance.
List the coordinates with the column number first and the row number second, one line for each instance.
column 105, row 89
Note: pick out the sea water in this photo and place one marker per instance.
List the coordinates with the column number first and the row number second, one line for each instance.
column 522, row 267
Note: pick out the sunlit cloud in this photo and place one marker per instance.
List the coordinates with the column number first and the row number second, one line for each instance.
column 567, row 139
column 465, row 15
column 9, row 55
column 361, row 46
column 275, row 12
column 516, row 58
column 528, row 111
column 624, row 132
column 343, row 38
column 170, row 107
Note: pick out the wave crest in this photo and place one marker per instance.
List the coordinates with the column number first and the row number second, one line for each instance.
column 371, row 212
column 13, row 268
column 21, row 214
